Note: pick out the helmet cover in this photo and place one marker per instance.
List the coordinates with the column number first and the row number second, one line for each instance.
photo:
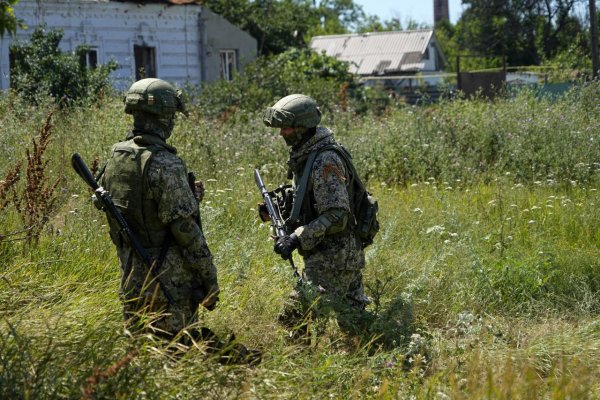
column 153, row 96
column 293, row 111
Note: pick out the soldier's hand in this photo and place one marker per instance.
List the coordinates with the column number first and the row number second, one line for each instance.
column 212, row 297
column 285, row 245
column 263, row 212
column 199, row 190
column 97, row 203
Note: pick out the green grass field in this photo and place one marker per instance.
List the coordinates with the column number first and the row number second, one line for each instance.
column 486, row 269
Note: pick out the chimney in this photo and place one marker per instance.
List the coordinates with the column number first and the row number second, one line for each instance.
column 440, row 11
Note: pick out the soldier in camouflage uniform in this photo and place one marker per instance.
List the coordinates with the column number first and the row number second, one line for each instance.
column 324, row 236
column 148, row 182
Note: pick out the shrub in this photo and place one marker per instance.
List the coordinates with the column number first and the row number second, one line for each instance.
column 267, row 79
column 40, row 69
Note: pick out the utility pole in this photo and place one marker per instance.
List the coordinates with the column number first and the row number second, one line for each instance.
column 594, row 41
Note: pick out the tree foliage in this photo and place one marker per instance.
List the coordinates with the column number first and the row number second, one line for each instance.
column 8, row 21
column 39, row 68
column 272, row 77
column 526, row 32
column 279, row 25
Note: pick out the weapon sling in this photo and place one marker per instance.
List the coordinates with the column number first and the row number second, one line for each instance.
column 303, row 185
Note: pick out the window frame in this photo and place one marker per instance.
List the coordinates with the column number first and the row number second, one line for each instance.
column 145, row 56
column 86, row 61
column 228, row 63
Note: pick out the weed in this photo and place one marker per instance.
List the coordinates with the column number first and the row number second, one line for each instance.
column 488, row 251
column 36, row 201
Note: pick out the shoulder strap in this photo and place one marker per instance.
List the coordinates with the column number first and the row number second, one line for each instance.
column 303, row 185
column 300, row 193
column 348, row 159
column 101, row 172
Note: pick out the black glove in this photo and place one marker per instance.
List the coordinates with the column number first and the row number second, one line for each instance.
column 285, row 245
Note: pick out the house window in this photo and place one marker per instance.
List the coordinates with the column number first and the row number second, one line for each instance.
column 89, row 58
column 145, row 62
column 426, row 54
column 228, row 64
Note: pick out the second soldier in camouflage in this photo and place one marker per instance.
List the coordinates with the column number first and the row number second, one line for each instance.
column 323, row 232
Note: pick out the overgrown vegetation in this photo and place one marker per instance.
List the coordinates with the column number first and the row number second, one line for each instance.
column 40, row 69
column 485, row 271
column 34, row 201
column 270, row 78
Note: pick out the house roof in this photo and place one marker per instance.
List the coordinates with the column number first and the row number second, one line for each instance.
column 377, row 53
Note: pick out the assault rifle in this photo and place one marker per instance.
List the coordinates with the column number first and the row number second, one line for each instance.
column 276, row 220
column 102, row 194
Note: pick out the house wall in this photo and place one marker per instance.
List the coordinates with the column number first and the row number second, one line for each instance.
column 222, row 35
column 432, row 63
column 176, row 32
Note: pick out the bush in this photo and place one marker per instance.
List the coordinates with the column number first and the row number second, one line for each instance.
column 267, row 79
column 40, row 69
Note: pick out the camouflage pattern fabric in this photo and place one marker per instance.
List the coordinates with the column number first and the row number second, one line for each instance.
column 187, row 268
column 153, row 124
column 333, row 254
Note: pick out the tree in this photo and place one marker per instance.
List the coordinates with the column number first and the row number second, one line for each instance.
column 279, row 25
column 337, row 17
column 276, row 25
column 525, row 31
column 372, row 23
column 8, row 21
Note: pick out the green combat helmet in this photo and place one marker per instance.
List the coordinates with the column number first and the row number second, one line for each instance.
column 153, row 96
column 293, row 111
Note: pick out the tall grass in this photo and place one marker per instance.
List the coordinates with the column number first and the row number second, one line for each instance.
column 484, row 276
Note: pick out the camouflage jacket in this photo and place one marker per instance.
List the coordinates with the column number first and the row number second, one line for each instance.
column 325, row 214
column 168, row 210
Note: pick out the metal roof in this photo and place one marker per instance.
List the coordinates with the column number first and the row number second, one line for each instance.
column 377, row 53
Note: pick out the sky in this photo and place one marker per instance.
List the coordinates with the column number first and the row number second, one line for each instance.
column 420, row 11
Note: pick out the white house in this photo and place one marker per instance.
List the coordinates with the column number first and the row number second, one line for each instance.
column 176, row 40
column 397, row 57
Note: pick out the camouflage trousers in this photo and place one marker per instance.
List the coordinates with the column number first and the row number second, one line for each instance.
column 323, row 293
column 145, row 306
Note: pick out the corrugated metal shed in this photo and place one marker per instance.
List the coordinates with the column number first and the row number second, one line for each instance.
column 378, row 53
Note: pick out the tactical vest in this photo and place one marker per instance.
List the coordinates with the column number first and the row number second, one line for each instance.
column 126, row 179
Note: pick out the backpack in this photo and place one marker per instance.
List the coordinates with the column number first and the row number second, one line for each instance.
column 364, row 207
